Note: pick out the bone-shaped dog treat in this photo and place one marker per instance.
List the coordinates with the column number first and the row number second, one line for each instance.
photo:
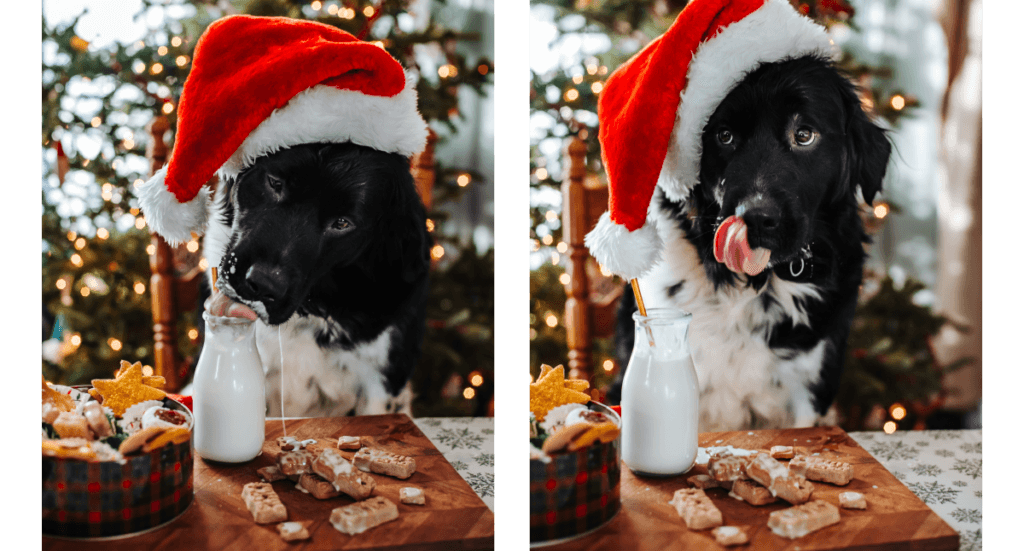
column 814, row 467
column 263, row 503
column 338, row 471
column 803, row 519
column 752, row 492
column 363, row 515
column 696, row 509
column 724, row 466
column 386, row 463
column 773, row 475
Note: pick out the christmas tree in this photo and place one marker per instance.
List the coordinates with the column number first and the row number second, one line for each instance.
column 592, row 37
column 97, row 101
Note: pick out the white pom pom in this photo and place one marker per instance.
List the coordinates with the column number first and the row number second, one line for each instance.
column 174, row 221
column 627, row 254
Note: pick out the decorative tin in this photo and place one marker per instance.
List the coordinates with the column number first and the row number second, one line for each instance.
column 84, row 499
column 576, row 492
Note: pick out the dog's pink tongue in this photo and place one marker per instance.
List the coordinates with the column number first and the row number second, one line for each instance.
column 732, row 249
column 220, row 305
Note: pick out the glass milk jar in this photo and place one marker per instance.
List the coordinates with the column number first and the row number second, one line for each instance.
column 659, row 396
column 228, row 392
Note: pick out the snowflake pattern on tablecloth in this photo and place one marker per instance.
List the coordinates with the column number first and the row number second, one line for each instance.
column 459, row 438
column 482, row 483
column 960, row 483
column 927, row 470
column 923, row 443
column 944, row 453
column 977, row 493
column 972, row 516
column 946, row 434
column 900, row 475
column 970, row 540
column 968, row 467
column 485, row 459
column 866, row 436
column 462, row 441
column 971, row 448
column 887, row 451
column 933, row 492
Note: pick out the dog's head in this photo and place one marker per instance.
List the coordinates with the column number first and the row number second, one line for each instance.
column 787, row 147
column 307, row 218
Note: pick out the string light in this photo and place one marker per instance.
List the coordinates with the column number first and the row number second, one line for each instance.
column 181, row 60
column 551, row 216
column 168, row 107
column 437, row 252
column 430, row 225
column 147, row 370
column 368, row 11
column 476, row 379
column 596, row 87
column 469, row 393
column 889, row 427
column 150, row 249
column 102, row 233
column 379, row 44
column 76, row 339
column 193, row 334
column 140, row 223
column 115, row 344
column 571, row 94
column 536, row 245
column 138, row 182
column 547, row 239
column 95, row 121
column 898, row 102
column 79, row 244
column 605, row 271
column 332, row 9
column 203, row 264
column 591, row 69
column 577, row 79
column 192, row 246
column 76, row 259
column 134, row 210
column 542, row 173
column 881, row 211
column 562, row 246
column 564, row 279
column 138, row 67
column 316, row 5
column 72, row 235
column 463, row 180
column 555, row 258
column 62, row 284
column 85, row 291
column 128, row 143
column 608, row 365
column 176, row 41
column 156, row 68
column 347, row 13
column 602, row 70
column 483, row 69
column 551, row 320
column 897, row 411
column 140, row 288
column 162, row 50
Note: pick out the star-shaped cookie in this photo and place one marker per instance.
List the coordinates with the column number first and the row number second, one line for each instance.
column 60, row 401
column 575, row 384
column 155, row 381
column 550, row 391
column 126, row 390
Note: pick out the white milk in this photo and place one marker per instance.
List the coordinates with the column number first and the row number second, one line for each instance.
column 228, row 392
column 660, row 397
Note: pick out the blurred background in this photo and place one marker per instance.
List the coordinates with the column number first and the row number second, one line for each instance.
column 111, row 77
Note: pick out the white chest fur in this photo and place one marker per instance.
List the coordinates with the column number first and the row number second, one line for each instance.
column 744, row 382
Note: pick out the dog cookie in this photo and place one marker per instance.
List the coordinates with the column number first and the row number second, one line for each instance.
column 136, row 441
column 801, row 520
column 578, row 385
column 782, row 452
column 295, row 462
column 317, row 487
column 338, row 471
column 560, row 439
column 852, row 500
column 98, row 421
column 62, row 402
column 605, row 432
column 349, row 442
column 549, row 391
column 724, row 466
column 71, row 425
column 752, row 492
column 363, row 515
column 126, row 390
column 773, row 475
column 69, row 448
column 729, row 535
column 702, row 482
column 292, row 531
column 382, row 462
column 818, row 468
column 262, row 501
column 412, row 496
column 159, row 416
column 176, row 435
column 155, row 381
column 271, row 473
column 696, row 509
column 290, row 443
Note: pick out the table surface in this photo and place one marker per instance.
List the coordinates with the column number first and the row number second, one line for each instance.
column 942, row 467
column 467, row 443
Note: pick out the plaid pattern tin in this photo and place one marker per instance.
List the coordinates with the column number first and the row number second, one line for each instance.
column 84, row 499
column 575, row 492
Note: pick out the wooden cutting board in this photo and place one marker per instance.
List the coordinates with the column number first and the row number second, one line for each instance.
column 895, row 520
column 454, row 517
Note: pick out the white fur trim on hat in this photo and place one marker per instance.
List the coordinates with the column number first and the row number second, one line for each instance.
column 326, row 114
column 773, row 32
column 627, row 254
column 172, row 220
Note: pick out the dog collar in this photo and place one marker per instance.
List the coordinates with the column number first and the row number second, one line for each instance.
column 800, row 268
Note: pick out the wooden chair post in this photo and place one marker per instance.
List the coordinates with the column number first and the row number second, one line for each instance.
column 161, row 283
column 423, row 170
column 574, row 228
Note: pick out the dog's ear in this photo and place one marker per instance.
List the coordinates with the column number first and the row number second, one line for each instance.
column 869, row 149
column 404, row 245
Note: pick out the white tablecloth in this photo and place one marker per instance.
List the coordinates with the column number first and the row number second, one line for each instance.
column 468, row 444
column 942, row 467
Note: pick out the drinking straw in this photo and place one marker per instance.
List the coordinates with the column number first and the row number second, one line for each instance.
column 643, row 309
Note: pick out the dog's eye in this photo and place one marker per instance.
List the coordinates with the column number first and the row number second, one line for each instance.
column 275, row 183
column 804, row 136
column 724, row 137
column 341, row 224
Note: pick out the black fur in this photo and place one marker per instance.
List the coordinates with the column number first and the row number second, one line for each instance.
column 335, row 231
column 807, row 200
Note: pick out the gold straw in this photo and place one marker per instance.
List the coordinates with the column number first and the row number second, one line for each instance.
column 214, row 272
column 642, row 308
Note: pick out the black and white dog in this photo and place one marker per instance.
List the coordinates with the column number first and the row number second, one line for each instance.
column 327, row 243
column 786, row 150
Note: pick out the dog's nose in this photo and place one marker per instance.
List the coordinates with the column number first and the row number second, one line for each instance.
column 761, row 217
column 265, row 282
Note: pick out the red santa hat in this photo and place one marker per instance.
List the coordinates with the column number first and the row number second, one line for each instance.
column 654, row 107
column 261, row 84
